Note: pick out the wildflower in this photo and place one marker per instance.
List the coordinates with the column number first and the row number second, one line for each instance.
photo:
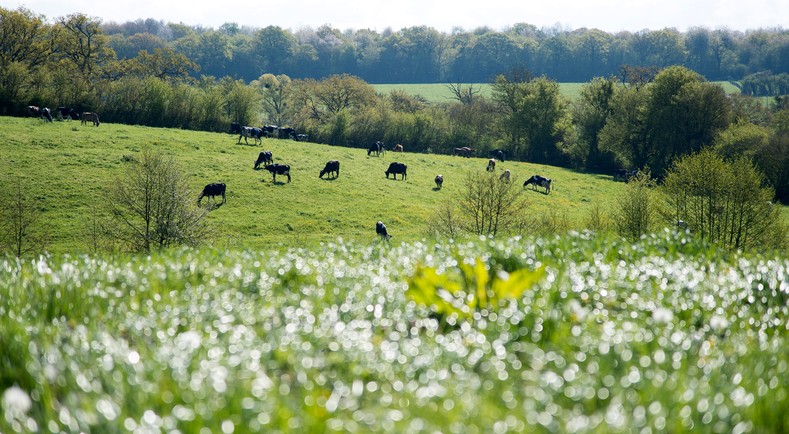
column 16, row 401
column 662, row 315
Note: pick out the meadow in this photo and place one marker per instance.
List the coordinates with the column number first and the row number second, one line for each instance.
column 572, row 334
column 66, row 167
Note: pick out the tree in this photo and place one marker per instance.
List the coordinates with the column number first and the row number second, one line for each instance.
column 590, row 114
column 153, row 207
column 79, row 40
column 22, row 229
column 488, row 205
column 722, row 201
column 276, row 94
column 635, row 212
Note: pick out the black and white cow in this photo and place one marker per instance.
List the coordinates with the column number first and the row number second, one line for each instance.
column 332, row 167
column 46, row 114
column 377, row 148
column 539, row 181
column 624, row 175
column 491, row 165
column 255, row 133
column 279, row 169
column 67, row 113
column 302, row 137
column 439, row 181
column 264, row 157
column 395, row 169
column 287, row 133
column 212, row 190
column 498, row 154
column 235, row 128
column 380, row 229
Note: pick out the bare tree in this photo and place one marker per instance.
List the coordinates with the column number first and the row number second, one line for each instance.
column 153, row 207
column 464, row 94
column 22, row 230
column 488, row 205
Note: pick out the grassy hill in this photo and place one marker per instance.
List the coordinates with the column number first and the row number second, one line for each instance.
column 66, row 167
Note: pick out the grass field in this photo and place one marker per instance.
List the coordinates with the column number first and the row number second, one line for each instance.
column 66, row 167
column 438, row 92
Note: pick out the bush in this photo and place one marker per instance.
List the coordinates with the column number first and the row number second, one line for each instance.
column 636, row 208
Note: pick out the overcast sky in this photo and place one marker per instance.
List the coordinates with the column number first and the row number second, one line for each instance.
column 607, row 15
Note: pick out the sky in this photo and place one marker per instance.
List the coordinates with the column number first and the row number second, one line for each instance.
column 608, row 15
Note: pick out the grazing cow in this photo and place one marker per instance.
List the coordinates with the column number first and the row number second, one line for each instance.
column 235, row 128
column 396, row 168
column 270, row 130
column 380, row 229
column 439, row 181
column 46, row 114
column 491, row 165
column 255, row 133
column 66, row 113
column 539, row 181
column 90, row 117
column 623, row 175
column 212, row 190
column 397, row 148
column 332, row 166
column 264, row 157
column 463, row 152
column 378, row 148
column 34, row 111
column 287, row 133
column 505, row 175
column 497, row 154
column 279, row 169
column 302, row 137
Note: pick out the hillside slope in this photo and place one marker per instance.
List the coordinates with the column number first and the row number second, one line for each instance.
column 66, row 167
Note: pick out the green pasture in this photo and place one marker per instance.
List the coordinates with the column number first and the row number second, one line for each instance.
column 440, row 93
column 66, row 167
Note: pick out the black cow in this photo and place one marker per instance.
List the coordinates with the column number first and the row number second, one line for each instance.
column 464, row 151
column 539, row 181
column 302, row 137
column 439, row 181
column 332, row 166
column 270, row 130
column 264, row 157
column 279, row 169
column 255, row 133
column 378, row 148
column 287, row 133
column 212, row 190
column 235, row 128
column 380, row 229
column 396, row 168
column 66, row 113
column 498, row 154
column 46, row 114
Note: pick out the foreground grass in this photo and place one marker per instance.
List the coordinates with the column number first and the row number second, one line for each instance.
column 664, row 335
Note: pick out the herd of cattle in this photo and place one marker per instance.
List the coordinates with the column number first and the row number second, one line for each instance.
column 63, row 114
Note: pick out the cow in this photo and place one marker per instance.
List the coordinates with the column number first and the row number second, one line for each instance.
column 279, row 169
column 66, row 113
column 212, row 190
column 332, row 167
column 302, row 137
column 397, row 148
column 264, row 157
column 378, row 148
column 34, row 111
column 287, row 133
column 624, row 175
column 539, row 181
column 270, row 130
column 505, row 175
column 396, row 168
column 491, row 165
column 498, row 154
column 463, row 152
column 380, row 229
column 235, row 128
column 439, row 181
column 46, row 114
column 255, row 133
column 90, row 117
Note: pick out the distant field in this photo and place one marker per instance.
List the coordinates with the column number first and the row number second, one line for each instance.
column 439, row 92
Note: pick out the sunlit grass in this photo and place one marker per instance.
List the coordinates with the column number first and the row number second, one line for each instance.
column 662, row 335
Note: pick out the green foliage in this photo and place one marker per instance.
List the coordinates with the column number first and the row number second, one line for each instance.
column 636, row 211
column 667, row 333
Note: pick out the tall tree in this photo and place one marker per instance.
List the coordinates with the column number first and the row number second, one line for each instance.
column 590, row 114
